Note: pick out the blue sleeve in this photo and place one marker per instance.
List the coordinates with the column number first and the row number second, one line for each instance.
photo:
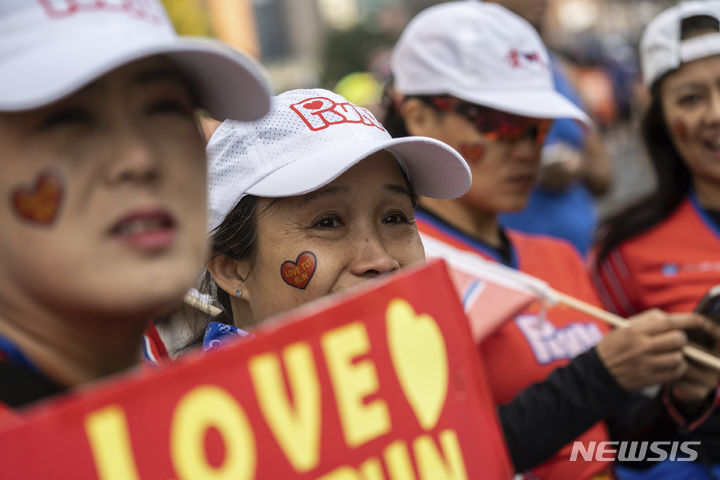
column 565, row 130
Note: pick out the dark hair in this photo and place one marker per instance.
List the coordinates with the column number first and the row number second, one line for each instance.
column 235, row 237
column 673, row 184
column 673, row 176
column 392, row 120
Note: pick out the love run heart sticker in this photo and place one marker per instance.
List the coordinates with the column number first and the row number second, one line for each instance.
column 419, row 356
column 39, row 203
column 298, row 273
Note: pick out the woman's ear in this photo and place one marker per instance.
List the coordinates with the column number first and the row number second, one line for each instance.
column 230, row 275
column 208, row 126
column 420, row 118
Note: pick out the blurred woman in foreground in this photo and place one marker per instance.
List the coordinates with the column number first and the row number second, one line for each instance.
column 103, row 183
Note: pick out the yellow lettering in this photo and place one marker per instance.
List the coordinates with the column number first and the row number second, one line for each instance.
column 110, row 444
column 369, row 470
column 199, row 410
column 352, row 382
column 397, row 461
column 296, row 427
column 430, row 463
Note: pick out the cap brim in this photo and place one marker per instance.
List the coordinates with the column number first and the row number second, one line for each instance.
column 433, row 168
column 536, row 104
column 228, row 84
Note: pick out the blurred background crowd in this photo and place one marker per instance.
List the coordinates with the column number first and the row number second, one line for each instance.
column 344, row 45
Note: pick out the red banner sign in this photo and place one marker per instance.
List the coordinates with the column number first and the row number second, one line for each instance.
column 384, row 383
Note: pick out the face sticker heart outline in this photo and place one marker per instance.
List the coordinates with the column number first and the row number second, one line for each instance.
column 39, row 203
column 419, row 357
column 298, row 274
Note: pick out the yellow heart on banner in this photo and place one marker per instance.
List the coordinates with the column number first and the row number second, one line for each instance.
column 419, row 356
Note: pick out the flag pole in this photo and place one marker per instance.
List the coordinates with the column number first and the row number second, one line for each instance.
column 496, row 272
column 690, row 351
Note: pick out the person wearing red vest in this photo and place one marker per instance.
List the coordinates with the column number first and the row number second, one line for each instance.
column 664, row 250
column 477, row 77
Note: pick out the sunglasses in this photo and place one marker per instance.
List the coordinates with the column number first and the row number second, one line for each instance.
column 494, row 124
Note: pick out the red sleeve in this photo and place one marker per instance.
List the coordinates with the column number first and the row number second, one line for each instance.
column 614, row 284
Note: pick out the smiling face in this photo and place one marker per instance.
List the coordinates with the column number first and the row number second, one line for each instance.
column 103, row 197
column 356, row 228
column 691, row 103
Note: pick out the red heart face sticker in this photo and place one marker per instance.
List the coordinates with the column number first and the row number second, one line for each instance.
column 298, row 273
column 39, row 203
column 472, row 153
column 314, row 105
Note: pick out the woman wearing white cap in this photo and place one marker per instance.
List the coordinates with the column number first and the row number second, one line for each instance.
column 103, row 181
column 313, row 199
column 476, row 76
column 664, row 251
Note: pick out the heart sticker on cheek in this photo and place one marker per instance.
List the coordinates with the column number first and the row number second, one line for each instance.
column 298, row 273
column 681, row 130
column 473, row 153
column 40, row 202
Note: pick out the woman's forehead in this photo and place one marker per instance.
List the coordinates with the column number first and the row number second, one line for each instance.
column 696, row 73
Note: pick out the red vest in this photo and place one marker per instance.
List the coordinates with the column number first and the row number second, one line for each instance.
column 526, row 349
column 669, row 267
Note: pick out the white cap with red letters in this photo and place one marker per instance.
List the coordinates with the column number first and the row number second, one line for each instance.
column 481, row 53
column 51, row 48
column 307, row 140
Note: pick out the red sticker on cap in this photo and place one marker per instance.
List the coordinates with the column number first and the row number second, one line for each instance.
column 298, row 273
column 40, row 202
column 316, row 105
column 136, row 8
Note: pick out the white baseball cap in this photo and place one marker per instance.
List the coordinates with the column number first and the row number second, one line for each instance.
column 662, row 49
column 307, row 140
column 481, row 53
column 51, row 48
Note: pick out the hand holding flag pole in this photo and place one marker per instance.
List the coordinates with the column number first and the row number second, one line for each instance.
column 514, row 291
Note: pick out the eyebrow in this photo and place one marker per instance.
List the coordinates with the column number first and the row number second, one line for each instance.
column 687, row 86
column 312, row 196
column 398, row 189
